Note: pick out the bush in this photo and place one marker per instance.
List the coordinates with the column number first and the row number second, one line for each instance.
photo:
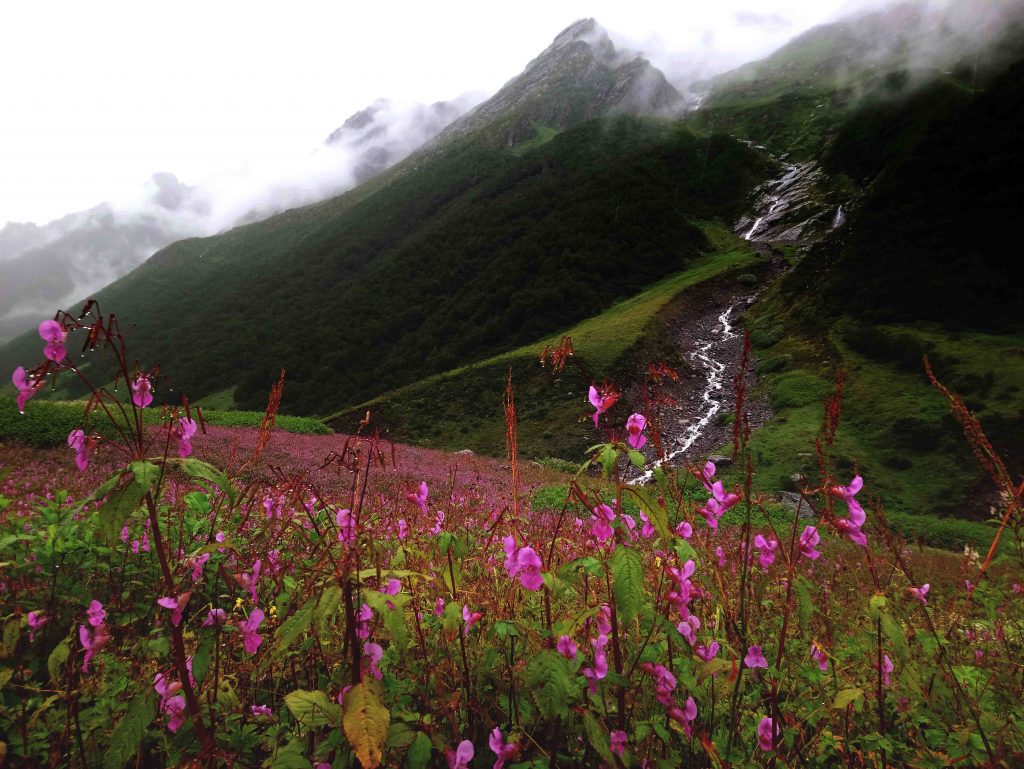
column 947, row 533
column 797, row 388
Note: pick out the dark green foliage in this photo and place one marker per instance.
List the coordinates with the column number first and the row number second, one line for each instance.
column 947, row 533
column 46, row 424
column 355, row 298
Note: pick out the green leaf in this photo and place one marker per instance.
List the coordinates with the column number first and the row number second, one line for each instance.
column 549, row 682
column 295, row 625
column 198, row 502
column 5, row 676
column 637, row 459
column 366, row 723
column 290, row 756
column 128, row 734
column 11, row 634
column 597, row 738
column 804, row 602
column 419, row 752
column 894, row 632
column 121, row 502
column 394, row 622
column 656, row 514
column 201, row 661
column 328, row 605
column 845, row 697
column 206, row 472
column 876, row 605
column 313, row 708
column 627, row 582
column 57, row 658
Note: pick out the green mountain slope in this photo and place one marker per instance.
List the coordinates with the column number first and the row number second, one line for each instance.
column 414, row 279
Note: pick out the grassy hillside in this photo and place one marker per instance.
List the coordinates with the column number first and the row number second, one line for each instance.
column 462, row 408
column 922, row 267
column 414, row 279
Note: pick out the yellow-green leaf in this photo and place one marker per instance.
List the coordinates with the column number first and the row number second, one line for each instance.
column 846, row 696
column 366, row 722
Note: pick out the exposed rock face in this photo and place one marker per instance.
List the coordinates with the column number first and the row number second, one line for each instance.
column 791, row 208
column 581, row 75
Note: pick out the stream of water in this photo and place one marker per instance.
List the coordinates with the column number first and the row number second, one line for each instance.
column 703, row 354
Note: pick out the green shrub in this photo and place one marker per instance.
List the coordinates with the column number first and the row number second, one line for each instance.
column 775, row 364
column 947, row 533
column 798, row 388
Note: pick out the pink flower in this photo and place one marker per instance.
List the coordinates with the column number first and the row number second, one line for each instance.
column 808, row 542
column 461, row 756
column 766, row 548
column 403, row 528
column 920, row 592
column 504, row 751
column 600, row 669
column 394, row 587
column 684, row 530
column 260, row 710
column 602, row 401
column 721, row 557
column 95, row 614
column 216, row 617
column 176, row 604
column 346, row 527
column 248, row 580
column 524, row 563
column 83, row 446
column 765, row 736
column 818, row 655
column 684, row 715
column 182, row 435
column 26, row 387
column 470, row 618
column 439, row 607
column 635, row 426
column 53, row 334
column 141, row 391
column 718, row 504
column 688, row 629
column 363, row 622
column 92, row 641
column 601, row 527
column 567, row 647
column 755, row 658
column 174, row 708
column 664, row 682
column 707, row 653
column 851, row 526
column 887, row 669
column 35, row 621
column 419, row 497
column 251, row 639
column 618, row 741
column 197, row 566
column 374, row 652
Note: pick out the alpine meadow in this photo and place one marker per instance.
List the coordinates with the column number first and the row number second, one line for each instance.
column 634, row 414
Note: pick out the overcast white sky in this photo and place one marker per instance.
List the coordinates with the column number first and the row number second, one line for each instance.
column 96, row 96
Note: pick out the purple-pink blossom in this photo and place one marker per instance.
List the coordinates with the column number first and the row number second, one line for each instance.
column 215, row 617
column 601, row 400
column 35, row 621
column 601, row 522
column 54, row 335
column 470, row 618
column 461, row 756
column 182, row 435
column 755, row 658
column 635, row 426
column 618, row 741
column 261, row 710
column 809, row 540
column 374, row 653
column 142, row 394
column 176, row 604
column 251, row 638
column 920, row 592
column 766, row 550
column 83, row 446
column 765, row 734
column 505, row 751
column 818, row 655
column 26, row 387
column 346, row 526
column 524, row 563
column 419, row 497
column 566, row 647
column 851, row 526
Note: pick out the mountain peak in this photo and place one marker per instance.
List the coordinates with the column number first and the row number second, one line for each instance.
column 580, row 76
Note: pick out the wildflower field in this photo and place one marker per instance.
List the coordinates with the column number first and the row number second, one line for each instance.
column 182, row 594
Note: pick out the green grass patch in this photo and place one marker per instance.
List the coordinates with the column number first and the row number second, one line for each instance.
column 47, row 423
column 462, row 408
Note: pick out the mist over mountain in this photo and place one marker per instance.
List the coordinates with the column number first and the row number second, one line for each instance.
column 52, row 265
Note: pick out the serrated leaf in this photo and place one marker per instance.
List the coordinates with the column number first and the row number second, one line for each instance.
column 894, row 632
column 295, row 625
column 394, row 623
column 598, row 740
column 11, row 634
column 638, row 459
column 290, row 756
column 401, row 735
column 845, row 697
column 328, row 604
column 549, row 682
column 313, row 708
column 201, row 660
column 121, row 502
column 366, row 722
column 57, row 658
column 627, row 583
column 196, row 468
column 804, row 602
column 5, row 676
column 128, row 734
column 656, row 514
column 419, row 752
